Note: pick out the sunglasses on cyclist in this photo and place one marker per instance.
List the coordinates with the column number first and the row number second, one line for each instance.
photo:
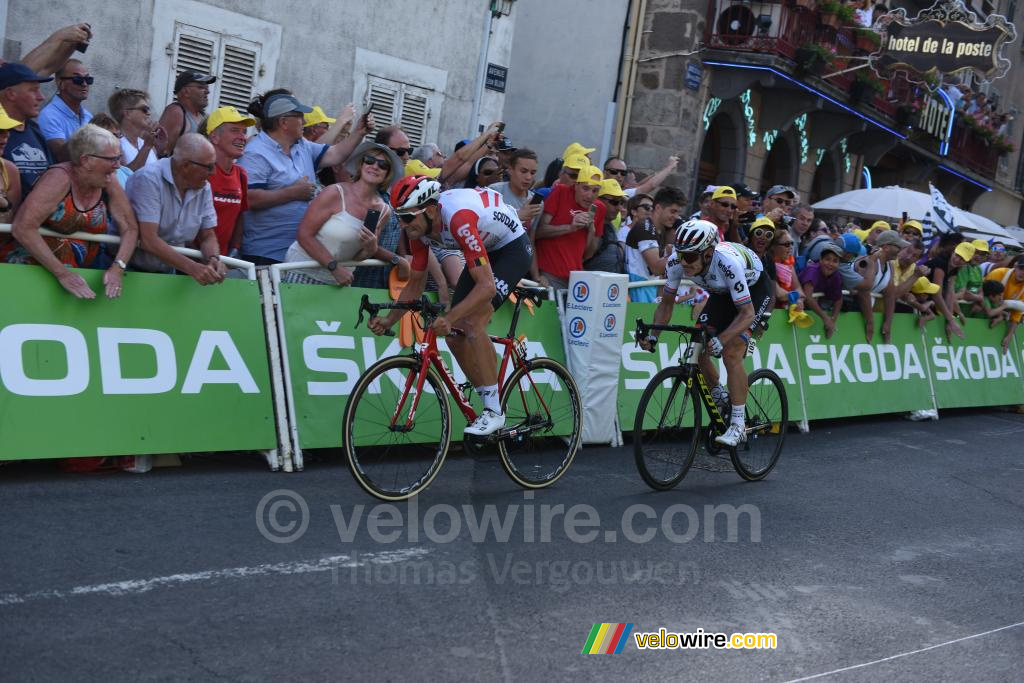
column 409, row 217
column 79, row 80
column 763, row 232
column 690, row 256
column 383, row 164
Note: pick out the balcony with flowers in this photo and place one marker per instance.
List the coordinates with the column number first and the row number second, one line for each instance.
column 822, row 44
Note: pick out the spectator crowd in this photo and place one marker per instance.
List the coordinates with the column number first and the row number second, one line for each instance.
column 308, row 187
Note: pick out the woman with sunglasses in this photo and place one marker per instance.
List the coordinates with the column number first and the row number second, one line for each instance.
column 76, row 196
column 740, row 302
column 334, row 228
column 786, row 282
column 997, row 257
column 485, row 171
column 140, row 136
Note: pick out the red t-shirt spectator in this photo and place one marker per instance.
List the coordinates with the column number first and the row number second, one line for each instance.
column 562, row 254
column 230, row 199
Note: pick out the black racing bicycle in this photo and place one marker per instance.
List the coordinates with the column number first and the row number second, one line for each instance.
column 667, row 431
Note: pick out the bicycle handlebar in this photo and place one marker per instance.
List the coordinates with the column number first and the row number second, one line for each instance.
column 424, row 306
column 643, row 328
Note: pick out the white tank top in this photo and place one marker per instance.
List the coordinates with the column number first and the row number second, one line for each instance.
column 339, row 235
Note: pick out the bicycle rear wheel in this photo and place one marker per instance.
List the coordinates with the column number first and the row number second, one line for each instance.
column 542, row 406
column 666, row 432
column 396, row 462
column 766, row 423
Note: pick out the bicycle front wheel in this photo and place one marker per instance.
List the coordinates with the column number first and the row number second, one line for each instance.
column 766, row 422
column 396, row 438
column 543, row 423
column 666, row 432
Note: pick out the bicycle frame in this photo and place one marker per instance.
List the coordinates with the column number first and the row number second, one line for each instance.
column 429, row 355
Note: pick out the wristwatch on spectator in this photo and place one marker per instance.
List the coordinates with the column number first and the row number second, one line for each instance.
column 332, row 265
column 121, row 264
column 395, row 259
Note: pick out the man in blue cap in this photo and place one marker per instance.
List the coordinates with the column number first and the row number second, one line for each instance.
column 22, row 99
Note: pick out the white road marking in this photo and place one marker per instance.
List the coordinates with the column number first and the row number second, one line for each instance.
column 906, row 654
column 136, row 586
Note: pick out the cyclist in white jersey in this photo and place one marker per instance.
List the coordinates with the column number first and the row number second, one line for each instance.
column 741, row 300
column 498, row 255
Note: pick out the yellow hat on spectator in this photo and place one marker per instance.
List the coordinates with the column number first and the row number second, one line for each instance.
column 964, row 250
column 316, row 116
column 980, row 245
column 610, row 188
column 576, row 148
column 576, row 162
column 799, row 318
column 884, row 225
column 915, row 225
column 6, row 122
column 591, row 175
column 417, row 167
column 763, row 222
column 224, row 115
column 723, row 191
column 924, row 286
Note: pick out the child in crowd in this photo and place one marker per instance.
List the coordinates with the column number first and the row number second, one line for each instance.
column 921, row 298
column 992, row 290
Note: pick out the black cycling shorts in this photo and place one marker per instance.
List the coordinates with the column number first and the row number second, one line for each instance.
column 510, row 264
column 720, row 311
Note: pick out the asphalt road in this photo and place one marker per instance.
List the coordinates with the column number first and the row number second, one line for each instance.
column 871, row 541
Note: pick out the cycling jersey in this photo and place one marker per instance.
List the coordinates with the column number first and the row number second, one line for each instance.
column 474, row 221
column 733, row 269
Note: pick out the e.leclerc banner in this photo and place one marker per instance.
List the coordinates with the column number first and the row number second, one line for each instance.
column 168, row 367
column 775, row 350
column 327, row 353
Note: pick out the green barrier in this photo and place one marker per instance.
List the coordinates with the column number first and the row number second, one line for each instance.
column 775, row 350
column 845, row 375
column 169, row 367
column 973, row 371
column 327, row 353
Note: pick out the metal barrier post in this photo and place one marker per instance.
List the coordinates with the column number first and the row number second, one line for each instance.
column 276, row 372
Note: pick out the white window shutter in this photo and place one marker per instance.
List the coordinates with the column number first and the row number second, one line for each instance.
column 382, row 101
column 237, row 77
column 414, row 117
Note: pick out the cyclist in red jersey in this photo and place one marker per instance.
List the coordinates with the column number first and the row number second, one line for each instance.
column 498, row 255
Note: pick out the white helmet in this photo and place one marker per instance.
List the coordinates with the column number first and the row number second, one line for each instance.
column 696, row 235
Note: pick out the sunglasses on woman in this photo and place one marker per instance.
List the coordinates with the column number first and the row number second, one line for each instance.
column 784, row 244
column 144, row 109
column 383, row 164
column 645, row 207
column 488, row 172
column 763, row 232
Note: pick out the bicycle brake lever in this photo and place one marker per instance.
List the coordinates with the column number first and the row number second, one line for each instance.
column 363, row 305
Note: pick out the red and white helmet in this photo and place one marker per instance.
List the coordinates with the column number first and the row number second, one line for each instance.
column 696, row 235
column 414, row 191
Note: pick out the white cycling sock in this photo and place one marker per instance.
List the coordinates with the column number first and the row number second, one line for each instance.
column 489, row 395
column 739, row 415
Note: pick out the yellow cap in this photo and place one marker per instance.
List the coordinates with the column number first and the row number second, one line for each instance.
column 723, row 191
column 916, row 225
column 610, row 188
column 591, row 175
column 417, row 167
column 924, row 286
column 316, row 116
column 884, row 225
column 980, row 245
column 799, row 318
column 576, row 162
column 964, row 250
column 6, row 122
column 576, row 148
column 224, row 115
column 763, row 222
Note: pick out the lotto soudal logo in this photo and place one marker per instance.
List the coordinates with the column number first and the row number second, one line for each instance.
column 613, row 292
column 577, row 328
column 609, row 322
column 581, row 291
